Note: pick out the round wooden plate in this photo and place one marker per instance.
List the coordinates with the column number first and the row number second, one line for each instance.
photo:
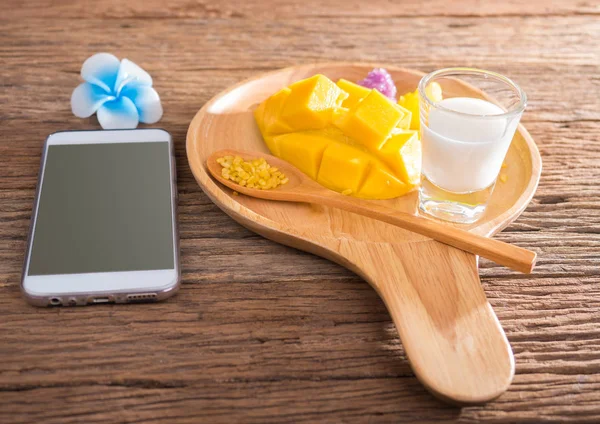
column 450, row 333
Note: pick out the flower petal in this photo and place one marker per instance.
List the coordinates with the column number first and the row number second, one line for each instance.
column 146, row 101
column 87, row 98
column 118, row 114
column 101, row 69
column 130, row 72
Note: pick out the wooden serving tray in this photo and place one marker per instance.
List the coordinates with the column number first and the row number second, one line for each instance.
column 450, row 333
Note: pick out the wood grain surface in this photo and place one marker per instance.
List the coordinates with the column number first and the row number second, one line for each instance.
column 261, row 332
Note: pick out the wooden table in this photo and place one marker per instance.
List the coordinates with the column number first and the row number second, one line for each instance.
column 260, row 332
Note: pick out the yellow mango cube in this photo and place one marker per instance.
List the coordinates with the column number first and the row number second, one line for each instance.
column 342, row 167
column 259, row 116
column 273, row 122
column 381, row 184
column 332, row 133
column 349, row 138
column 371, row 121
column 410, row 101
column 271, row 144
column 303, row 150
column 434, row 92
column 338, row 115
column 355, row 92
column 402, row 153
column 311, row 102
column 406, row 120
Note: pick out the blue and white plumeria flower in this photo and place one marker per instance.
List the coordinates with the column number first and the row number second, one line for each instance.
column 120, row 91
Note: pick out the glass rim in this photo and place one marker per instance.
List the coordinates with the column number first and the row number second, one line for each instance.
column 519, row 108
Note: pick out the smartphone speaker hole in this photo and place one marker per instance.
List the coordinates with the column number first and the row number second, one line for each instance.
column 142, row 297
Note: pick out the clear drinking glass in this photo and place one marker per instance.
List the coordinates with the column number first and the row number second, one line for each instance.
column 465, row 138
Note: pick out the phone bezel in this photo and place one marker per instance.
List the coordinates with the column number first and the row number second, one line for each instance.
column 79, row 289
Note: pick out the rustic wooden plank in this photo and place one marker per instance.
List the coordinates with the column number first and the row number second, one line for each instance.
column 550, row 211
column 178, row 51
column 274, row 398
column 231, row 9
column 261, row 332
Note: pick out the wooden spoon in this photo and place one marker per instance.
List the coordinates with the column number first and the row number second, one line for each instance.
column 301, row 188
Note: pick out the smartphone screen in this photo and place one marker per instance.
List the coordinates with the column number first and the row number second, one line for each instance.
column 104, row 208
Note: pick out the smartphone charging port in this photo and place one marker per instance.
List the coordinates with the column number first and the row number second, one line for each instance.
column 101, row 300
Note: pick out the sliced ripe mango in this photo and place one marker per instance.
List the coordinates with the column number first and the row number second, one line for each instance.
column 338, row 113
column 370, row 121
column 349, row 138
column 434, row 91
column 343, row 167
column 355, row 92
column 273, row 147
column 410, row 101
column 380, row 184
column 404, row 123
column 332, row 133
column 259, row 116
column 311, row 103
column 273, row 122
column 402, row 153
column 302, row 149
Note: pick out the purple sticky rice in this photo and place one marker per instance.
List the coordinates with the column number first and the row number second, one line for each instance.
column 381, row 80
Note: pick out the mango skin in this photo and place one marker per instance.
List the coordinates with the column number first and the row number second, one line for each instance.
column 364, row 150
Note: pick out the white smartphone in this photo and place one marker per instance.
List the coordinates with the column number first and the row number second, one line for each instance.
column 104, row 225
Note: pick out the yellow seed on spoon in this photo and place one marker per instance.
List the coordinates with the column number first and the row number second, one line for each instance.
column 255, row 173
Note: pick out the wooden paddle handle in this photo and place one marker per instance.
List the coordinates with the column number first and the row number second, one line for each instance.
column 448, row 329
column 511, row 256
